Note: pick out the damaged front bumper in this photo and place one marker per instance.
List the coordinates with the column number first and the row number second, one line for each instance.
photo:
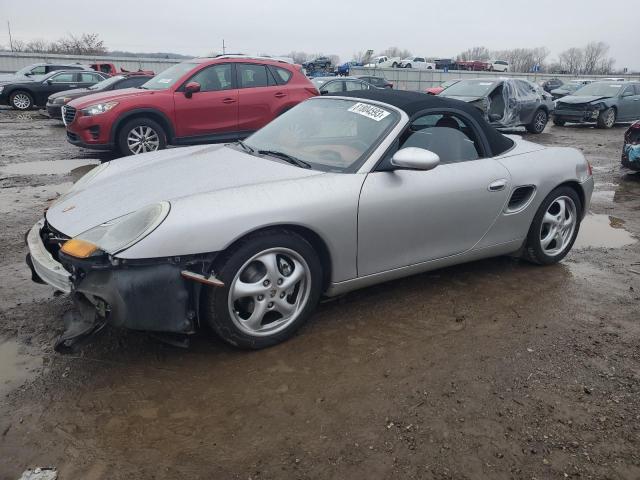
column 577, row 115
column 158, row 295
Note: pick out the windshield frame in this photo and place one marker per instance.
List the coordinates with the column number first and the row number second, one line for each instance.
column 618, row 90
column 110, row 80
column 462, row 83
column 177, row 82
column 379, row 146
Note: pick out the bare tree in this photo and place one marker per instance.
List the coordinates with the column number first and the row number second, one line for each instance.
column 475, row 53
column 595, row 57
column 298, row 57
column 18, row 46
column 571, row 60
column 396, row 52
column 37, row 46
column 85, row 44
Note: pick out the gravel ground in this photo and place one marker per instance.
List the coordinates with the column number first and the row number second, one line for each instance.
column 494, row 369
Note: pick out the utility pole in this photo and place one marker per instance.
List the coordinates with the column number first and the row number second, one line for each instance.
column 10, row 39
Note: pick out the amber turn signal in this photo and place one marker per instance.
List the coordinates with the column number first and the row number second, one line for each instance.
column 79, row 248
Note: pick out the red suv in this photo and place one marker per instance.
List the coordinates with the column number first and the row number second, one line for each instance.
column 198, row 101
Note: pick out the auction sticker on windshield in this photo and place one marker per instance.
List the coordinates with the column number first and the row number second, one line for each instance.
column 369, row 111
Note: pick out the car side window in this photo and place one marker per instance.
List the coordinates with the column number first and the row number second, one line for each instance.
column 214, row 78
column 637, row 88
column 628, row 91
column 448, row 135
column 252, row 76
column 281, row 75
column 90, row 77
column 333, row 87
column 41, row 70
column 354, row 86
column 62, row 78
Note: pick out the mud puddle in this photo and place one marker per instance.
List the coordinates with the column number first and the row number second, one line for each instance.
column 76, row 168
column 602, row 231
column 15, row 367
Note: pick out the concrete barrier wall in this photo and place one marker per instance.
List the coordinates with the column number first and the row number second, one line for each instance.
column 11, row 61
column 419, row 80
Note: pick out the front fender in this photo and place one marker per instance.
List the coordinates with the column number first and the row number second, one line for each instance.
column 326, row 204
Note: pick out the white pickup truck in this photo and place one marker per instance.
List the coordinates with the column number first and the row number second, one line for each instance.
column 417, row 62
column 384, row 62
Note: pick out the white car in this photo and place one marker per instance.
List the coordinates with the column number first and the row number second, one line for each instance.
column 417, row 62
column 384, row 62
column 499, row 66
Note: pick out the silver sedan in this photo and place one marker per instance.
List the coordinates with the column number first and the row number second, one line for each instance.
column 339, row 193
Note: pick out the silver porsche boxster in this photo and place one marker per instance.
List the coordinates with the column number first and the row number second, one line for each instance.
column 337, row 194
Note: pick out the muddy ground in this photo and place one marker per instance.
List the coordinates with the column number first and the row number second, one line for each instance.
column 495, row 369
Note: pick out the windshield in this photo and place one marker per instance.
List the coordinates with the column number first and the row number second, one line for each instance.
column 106, row 83
column 329, row 134
column 469, row 88
column 170, row 76
column 448, row 83
column 600, row 89
column 24, row 71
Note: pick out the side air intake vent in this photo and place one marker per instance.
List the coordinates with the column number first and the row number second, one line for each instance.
column 520, row 198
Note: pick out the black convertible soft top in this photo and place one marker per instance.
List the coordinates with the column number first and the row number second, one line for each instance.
column 414, row 102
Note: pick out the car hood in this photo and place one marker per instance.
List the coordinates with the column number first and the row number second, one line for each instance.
column 573, row 99
column 128, row 184
column 76, row 92
column 108, row 96
column 11, row 78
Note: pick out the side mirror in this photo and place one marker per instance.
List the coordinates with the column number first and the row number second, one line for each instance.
column 415, row 159
column 28, row 74
column 191, row 88
column 49, row 82
column 324, row 92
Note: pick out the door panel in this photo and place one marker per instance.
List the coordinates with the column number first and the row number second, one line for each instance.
column 261, row 99
column 410, row 216
column 629, row 106
column 212, row 110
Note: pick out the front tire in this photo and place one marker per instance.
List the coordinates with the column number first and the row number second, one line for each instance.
column 272, row 283
column 394, row 65
column 554, row 227
column 607, row 118
column 141, row 135
column 538, row 123
column 21, row 100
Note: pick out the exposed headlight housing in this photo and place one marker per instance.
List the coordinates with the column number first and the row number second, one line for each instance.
column 98, row 108
column 118, row 234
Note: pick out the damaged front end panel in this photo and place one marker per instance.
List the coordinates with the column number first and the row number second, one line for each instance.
column 156, row 295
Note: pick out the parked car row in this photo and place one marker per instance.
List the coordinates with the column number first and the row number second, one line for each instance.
column 516, row 102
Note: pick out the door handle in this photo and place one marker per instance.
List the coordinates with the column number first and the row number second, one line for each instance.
column 280, row 95
column 498, row 185
column 229, row 100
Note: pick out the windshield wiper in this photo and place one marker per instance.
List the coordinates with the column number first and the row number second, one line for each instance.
column 245, row 146
column 286, row 157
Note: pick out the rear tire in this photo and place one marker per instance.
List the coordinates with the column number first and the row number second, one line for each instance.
column 277, row 272
column 394, row 65
column 554, row 228
column 539, row 122
column 141, row 135
column 607, row 118
column 21, row 100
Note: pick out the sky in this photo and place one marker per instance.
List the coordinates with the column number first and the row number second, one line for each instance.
column 438, row 29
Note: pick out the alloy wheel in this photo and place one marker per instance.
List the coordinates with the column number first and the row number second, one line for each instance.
column 540, row 121
column 269, row 291
column 142, row 139
column 610, row 119
column 21, row 101
column 558, row 224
